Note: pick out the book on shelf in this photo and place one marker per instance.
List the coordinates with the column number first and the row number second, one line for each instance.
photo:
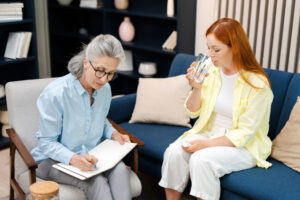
column 26, row 45
column 171, row 42
column 109, row 153
column 11, row 11
column 17, row 45
column 12, row 5
column 91, row 3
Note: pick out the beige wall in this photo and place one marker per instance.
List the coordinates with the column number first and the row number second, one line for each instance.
column 206, row 12
column 41, row 16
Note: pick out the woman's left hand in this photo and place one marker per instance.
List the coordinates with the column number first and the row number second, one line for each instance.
column 121, row 138
column 197, row 145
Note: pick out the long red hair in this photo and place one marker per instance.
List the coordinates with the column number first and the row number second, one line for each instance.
column 231, row 33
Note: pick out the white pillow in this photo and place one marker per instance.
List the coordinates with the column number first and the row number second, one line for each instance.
column 161, row 100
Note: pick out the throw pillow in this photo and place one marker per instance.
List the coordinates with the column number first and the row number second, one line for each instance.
column 286, row 146
column 161, row 100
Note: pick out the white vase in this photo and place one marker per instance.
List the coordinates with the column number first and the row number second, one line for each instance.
column 121, row 4
column 147, row 69
column 126, row 30
column 170, row 8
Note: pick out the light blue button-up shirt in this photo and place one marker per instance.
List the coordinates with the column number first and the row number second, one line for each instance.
column 67, row 120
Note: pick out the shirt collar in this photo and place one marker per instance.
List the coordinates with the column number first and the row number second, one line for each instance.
column 95, row 93
column 216, row 70
column 79, row 88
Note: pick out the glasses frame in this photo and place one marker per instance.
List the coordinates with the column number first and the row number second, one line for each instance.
column 103, row 73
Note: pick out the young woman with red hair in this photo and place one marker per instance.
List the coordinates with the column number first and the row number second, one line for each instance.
column 233, row 104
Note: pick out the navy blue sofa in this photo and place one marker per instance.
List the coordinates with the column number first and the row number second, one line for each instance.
column 276, row 183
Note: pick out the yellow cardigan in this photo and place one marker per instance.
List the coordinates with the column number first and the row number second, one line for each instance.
column 251, row 113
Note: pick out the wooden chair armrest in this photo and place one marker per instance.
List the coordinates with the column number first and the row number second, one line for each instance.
column 23, row 151
column 123, row 131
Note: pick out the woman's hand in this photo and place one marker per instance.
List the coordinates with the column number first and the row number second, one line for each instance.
column 193, row 83
column 85, row 162
column 121, row 138
column 197, row 145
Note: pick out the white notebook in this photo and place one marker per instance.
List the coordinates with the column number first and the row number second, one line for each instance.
column 108, row 152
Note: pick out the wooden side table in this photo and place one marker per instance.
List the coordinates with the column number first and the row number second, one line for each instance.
column 44, row 190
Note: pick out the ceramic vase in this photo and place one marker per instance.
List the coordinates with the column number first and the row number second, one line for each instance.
column 147, row 69
column 126, row 30
column 170, row 8
column 121, row 4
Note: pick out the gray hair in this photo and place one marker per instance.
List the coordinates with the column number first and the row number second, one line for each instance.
column 101, row 45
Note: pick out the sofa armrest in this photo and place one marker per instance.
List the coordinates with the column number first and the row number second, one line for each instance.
column 121, row 108
column 23, row 151
column 135, row 158
column 123, row 131
column 17, row 144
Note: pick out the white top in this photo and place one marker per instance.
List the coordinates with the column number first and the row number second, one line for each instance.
column 223, row 107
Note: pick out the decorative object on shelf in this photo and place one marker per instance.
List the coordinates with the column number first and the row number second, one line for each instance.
column 83, row 31
column 171, row 42
column 64, row 2
column 126, row 30
column 126, row 64
column 91, row 3
column 4, row 120
column 2, row 91
column 147, row 69
column 121, row 4
column 3, row 131
column 170, row 8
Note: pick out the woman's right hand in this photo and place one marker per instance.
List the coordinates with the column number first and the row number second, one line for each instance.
column 84, row 162
column 192, row 82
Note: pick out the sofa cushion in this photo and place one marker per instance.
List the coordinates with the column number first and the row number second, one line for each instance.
column 291, row 97
column 276, row 183
column 279, row 89
column 161, row 100
column 286, row 146
column 121, row 108
column 155, row 136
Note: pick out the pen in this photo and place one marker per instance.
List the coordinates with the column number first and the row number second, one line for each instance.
column 85, row 151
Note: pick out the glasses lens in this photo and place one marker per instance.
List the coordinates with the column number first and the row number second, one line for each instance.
column 100, row 74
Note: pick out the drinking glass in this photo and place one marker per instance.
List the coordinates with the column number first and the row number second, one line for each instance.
column 203, row 63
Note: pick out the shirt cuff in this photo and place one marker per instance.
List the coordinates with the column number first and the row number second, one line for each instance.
column 67, row 157
column 189, row 112
column 236, row 138
column 109, row 132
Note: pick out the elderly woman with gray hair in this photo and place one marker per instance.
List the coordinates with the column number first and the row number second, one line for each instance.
column 73, row 112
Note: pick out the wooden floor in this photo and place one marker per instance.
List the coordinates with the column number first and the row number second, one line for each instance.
column 4, row 174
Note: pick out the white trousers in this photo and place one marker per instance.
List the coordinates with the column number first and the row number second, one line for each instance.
column 203, row 167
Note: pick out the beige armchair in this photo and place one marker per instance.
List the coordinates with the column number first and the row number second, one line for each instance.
column 23, row 118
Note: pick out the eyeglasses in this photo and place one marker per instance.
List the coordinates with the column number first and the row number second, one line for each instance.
column 101, row 73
